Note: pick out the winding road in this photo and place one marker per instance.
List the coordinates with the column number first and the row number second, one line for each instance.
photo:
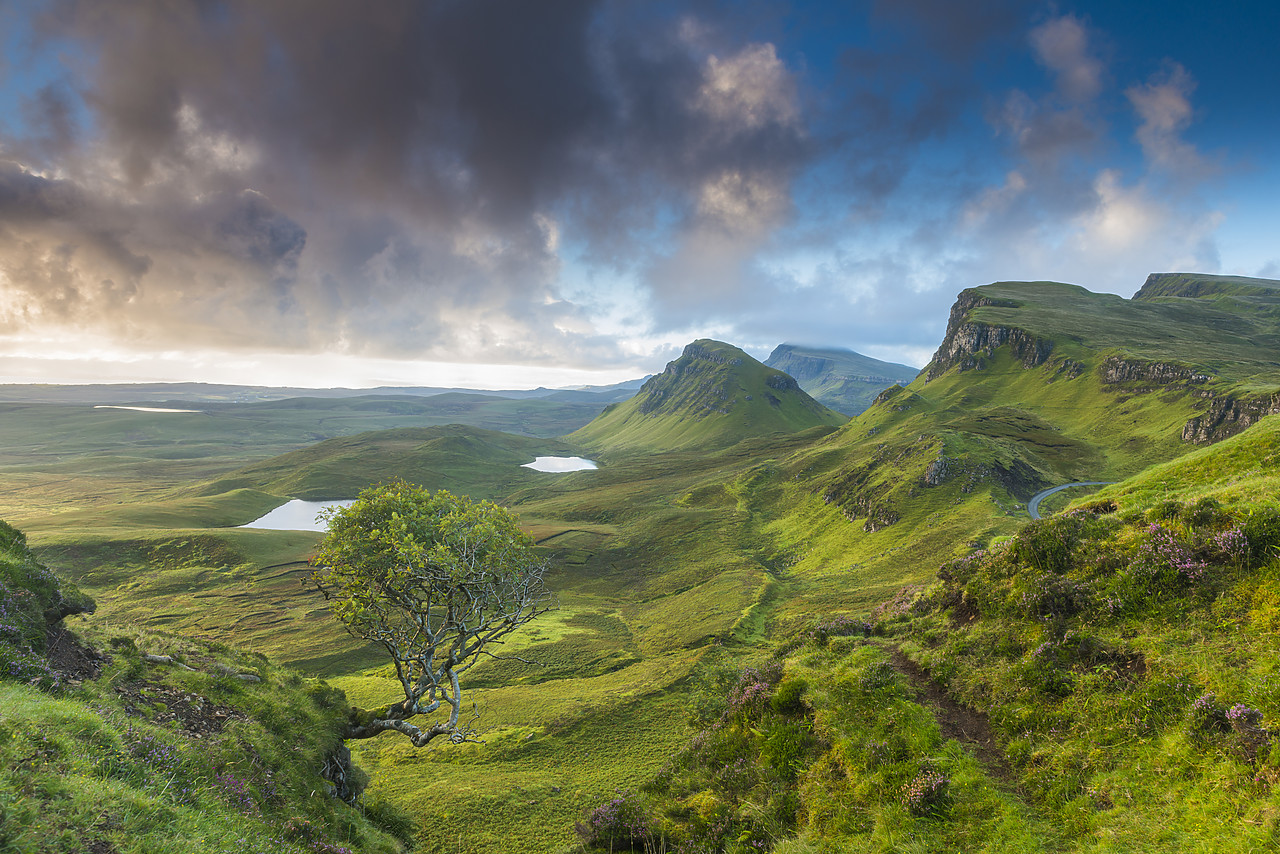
column 1033, row 506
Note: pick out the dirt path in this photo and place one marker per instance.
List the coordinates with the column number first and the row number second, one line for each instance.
column 969, row 727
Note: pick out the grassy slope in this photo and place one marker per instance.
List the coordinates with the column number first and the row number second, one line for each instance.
column 161, row 758
column 713, row 396
column 845, row 381
column 1094, row 700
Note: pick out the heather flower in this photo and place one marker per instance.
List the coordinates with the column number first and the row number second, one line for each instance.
column 621, row 821
column 1233, row 544
column 927, row 793
column 1242, row 715
column 1207, row 714
column 839, row 627
column 1163, row 551
column 235, row 792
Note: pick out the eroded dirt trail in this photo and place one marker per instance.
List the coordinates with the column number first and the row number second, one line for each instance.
column 969, row 727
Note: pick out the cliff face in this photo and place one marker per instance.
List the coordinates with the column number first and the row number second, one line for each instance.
column 801, row 366
column 1227, row 416
column 1117, row 369
column 968, row 341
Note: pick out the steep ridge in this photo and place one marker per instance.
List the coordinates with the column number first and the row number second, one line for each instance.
column 841, row 379
column 713, row 396
column 1035, row 384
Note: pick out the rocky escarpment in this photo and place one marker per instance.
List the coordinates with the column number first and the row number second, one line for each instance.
column 1118, row 369
column 969, row 342
column 1227, row 416
column 1017, row 478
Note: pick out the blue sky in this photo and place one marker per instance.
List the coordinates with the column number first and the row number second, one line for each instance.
column 507, row 194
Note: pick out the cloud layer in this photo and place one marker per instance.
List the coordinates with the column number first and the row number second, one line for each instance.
column 578, row 184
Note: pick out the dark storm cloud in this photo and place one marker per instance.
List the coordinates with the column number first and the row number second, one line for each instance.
column 427, row 156
column 254, row 230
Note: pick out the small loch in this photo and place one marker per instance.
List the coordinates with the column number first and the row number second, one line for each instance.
column 561, row 464
column 296, row 515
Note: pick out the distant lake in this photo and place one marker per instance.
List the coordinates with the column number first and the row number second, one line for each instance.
column 144, row 408
column 296, row 515
column 561, row 464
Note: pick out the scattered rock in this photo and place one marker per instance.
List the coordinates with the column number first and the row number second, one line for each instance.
column 197, row 716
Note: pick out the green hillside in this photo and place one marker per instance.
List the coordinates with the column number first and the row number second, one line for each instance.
column 843, row 380
column 712, row 396
column 482, row 462
column 137, row 741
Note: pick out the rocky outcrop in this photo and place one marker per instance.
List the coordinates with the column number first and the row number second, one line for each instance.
column 696, row 351
column 782, row 382
column 1227, row 416
column 1018, row 478
column 1071, row 368
column 935, row 474
column 888, row 394
column 1118, row 369
column 968, row 342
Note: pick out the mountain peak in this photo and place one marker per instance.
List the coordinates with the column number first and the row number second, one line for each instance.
column 842, row 379
column 713, row 395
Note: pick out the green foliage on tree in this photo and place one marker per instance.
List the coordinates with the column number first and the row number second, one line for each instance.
column 435, row 579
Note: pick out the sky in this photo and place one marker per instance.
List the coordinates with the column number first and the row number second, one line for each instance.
column 506, row 194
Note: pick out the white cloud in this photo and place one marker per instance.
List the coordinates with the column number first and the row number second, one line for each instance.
column 1062, row 45
column 749, row 90
column 741, row 204
column 1164, row 106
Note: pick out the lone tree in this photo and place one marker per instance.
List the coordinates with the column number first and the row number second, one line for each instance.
column 434, row 578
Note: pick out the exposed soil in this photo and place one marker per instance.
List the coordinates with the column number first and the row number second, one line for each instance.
column 69, row 658
column 967, row 726
column 198, row 716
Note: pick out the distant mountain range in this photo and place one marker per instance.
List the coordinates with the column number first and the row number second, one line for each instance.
column 840, row 379
column 844, row 380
